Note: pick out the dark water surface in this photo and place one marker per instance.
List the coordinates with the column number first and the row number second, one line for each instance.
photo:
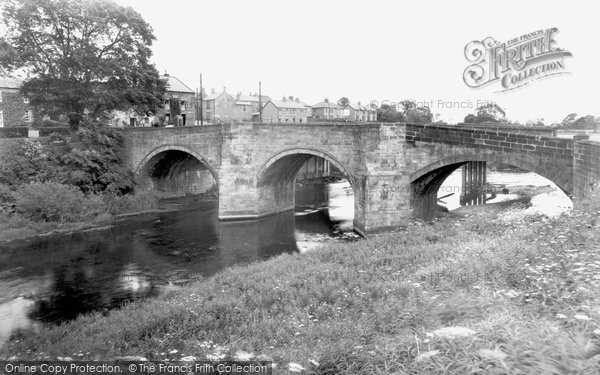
column 57, row 278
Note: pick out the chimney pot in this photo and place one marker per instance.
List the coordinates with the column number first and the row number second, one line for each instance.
column 224, row 89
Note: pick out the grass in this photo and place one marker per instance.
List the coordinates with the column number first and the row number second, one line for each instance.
column 530, row 290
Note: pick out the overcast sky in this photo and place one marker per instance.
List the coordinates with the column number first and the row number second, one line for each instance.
column 373, row 50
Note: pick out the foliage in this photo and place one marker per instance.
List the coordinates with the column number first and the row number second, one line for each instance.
column 85, row 57
column 415, row 114
column 489, row 112
column 52, row 201
column 388, row 113
column 407, row 111
column 343, row 101
column 140, row 201
column 96, row 167
column 25, row 161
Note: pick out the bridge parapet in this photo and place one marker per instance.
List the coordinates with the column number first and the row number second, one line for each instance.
column 497, row 140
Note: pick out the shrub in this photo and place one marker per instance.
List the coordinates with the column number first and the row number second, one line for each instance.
column 119, row 204
column 55, row 202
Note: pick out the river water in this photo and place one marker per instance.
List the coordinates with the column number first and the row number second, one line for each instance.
column 57, row 278
column 54, row 279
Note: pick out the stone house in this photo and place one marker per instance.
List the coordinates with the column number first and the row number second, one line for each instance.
column 224, row 107
column 179, row 105
column 14, row 108
column 327, row 111
column 286, row 110
column 358, row 112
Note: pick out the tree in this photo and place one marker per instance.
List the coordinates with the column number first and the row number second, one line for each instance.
column 86, row 58
column 569, row 119
column 489, row 112
column 388, row 113
column 415, row 114
column 343, row 102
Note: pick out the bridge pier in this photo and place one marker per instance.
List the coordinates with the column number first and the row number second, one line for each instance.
column 474, row 183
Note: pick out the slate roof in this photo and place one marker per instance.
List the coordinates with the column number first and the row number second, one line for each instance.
column 326, row 105
column 175, row 85
column 10, row 82
column 287, row 104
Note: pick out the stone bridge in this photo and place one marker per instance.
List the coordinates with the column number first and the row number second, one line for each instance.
column 395, row 169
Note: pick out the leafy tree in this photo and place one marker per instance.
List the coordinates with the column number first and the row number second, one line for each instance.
column 343, row 101
column 413, row 113
column 569, row 119
column 489, row 112
column 85, row 57
column 388, row 113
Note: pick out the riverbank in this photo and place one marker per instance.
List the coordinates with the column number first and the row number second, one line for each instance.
column 526, row 295
column 18, row 228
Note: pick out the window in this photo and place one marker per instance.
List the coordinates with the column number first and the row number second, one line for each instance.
column 28, row 115
column 1, row 119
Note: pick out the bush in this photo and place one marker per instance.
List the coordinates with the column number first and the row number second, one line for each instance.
column 56, row 202
column 131, row 203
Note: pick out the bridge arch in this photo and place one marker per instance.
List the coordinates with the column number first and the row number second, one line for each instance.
column 176, row 169
column 426, row 181
column 285, row 164
column 144, row 162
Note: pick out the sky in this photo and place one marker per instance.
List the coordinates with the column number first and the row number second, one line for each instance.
column 373, row 51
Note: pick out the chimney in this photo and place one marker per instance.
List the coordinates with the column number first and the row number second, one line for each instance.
column 166, row 74
column 291, row 97
column 224, row 89
column 297, row 100
column 326, row 100
column 212, row 91
column 358, row 104
column 238, row 95
column 284, row 99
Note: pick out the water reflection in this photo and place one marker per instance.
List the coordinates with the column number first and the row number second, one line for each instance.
column 57, row 278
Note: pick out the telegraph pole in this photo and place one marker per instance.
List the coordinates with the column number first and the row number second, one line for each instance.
column 201, row 103
column 259, row 102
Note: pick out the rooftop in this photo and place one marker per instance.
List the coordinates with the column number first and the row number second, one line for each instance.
column 175, row 85
column 10, row 82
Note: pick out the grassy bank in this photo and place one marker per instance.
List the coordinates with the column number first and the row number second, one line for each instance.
column 529, row 290
column 42, row 215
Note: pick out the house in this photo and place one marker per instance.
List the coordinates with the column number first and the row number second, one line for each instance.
column 179, row 105
column 14, row 108
column 327, row 111
column 223, row 107
column 358, row 112
column 285, row 110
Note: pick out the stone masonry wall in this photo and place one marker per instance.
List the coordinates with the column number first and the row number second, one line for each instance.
column 586, row 165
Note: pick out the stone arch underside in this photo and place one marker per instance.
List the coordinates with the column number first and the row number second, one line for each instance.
column 275, row 180
column 426, row 181
column 175, row 170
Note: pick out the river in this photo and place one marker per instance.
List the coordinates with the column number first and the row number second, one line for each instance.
column 55, row 279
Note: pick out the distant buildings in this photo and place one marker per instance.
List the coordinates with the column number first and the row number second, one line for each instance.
column 285, row 110
column 327, row 111
column 14, row 109
column 179, row 106
column 358, row 112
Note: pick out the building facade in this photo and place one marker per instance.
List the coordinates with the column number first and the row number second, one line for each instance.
column 360, row 113
column 15, row 109
column 179, row 105
column 291, row 111
column 327, row 111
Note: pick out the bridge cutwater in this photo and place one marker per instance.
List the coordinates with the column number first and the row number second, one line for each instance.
column 395, row 170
